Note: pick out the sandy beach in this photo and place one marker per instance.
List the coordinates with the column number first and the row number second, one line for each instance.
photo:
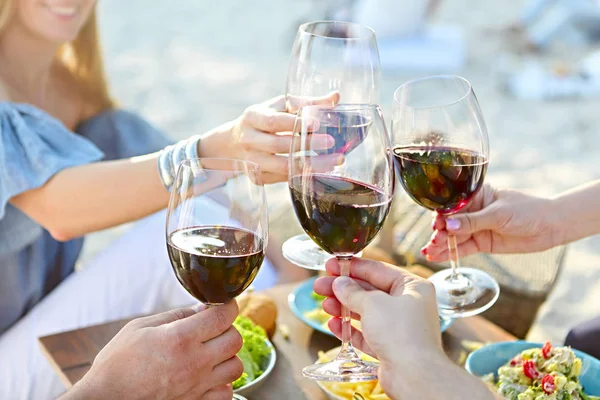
column 189, row 65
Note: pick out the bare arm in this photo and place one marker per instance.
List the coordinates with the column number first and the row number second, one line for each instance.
column 576, row 214
column 91, row 197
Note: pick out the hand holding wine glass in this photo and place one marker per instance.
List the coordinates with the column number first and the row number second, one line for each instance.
column 400, row 327
column 189, row 352
column 497, row 221
column 342, row 201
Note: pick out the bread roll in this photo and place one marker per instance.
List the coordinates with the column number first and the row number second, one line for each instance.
column 261, row 309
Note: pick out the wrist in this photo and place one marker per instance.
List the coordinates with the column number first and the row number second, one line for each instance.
column 556, row 222
column 217, row 142
column 410, row 374
column 431, row 374
column 85, row 389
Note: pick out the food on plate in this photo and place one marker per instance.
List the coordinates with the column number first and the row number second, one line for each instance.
column 546, row 373
column 370, row 390
column 321, row 317
column 317, row 314
column 254, row 351
column 261, row 309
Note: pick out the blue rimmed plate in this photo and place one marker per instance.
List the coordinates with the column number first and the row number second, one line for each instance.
column 489, row 358
column 301, row 301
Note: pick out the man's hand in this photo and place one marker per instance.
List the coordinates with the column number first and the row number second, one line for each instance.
column 184, row 353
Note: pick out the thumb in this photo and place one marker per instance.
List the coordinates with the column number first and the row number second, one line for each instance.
column 169, row 316
column 350, row 294
column 468, row 223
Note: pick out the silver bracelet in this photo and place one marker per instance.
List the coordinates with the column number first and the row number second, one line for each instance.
column 172, row 156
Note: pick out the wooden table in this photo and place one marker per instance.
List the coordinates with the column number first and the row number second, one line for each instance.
column 71, row 353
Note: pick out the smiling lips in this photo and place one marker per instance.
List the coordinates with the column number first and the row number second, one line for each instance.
column 61, row 11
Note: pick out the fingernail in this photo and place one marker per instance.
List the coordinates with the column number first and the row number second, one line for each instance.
column 198, row 307
column 453, row 224
column 341, row 282
column 424, row 251
column 330, row 141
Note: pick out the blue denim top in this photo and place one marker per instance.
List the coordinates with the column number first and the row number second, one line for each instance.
column 33, row 147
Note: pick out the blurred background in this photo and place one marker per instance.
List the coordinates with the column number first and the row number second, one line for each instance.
column 190, row 65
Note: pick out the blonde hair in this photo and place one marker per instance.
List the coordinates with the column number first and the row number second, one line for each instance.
column 82, row 57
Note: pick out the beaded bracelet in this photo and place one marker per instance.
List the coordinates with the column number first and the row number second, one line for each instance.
column 171, row 156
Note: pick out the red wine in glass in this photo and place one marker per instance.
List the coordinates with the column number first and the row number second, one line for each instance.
column 342, row 205
column 348, row 131
column 441, row 150
column 443, row 179
column 215, row 263
column 339, row 214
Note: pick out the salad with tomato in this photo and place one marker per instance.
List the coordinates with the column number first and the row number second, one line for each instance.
column 547, row 373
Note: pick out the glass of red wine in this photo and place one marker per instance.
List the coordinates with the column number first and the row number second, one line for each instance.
column 217, row 227
column 341, row 200
column 327, row 57
column 441, row 151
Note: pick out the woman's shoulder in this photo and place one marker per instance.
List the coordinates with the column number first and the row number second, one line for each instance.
column 121, row 133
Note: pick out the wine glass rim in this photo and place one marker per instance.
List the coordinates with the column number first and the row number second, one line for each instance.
column 468, row 90
column 188, row 161
column 304, row 30
column 343, row 107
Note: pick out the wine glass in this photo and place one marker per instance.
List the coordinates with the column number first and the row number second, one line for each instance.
column 341, row 200
column 441, row 153
column 327, row 57
column 217, row 227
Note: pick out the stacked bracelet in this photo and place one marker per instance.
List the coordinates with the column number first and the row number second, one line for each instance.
column 171, row 156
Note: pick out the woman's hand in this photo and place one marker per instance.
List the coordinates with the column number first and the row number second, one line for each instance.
column 496, row 221
column 178, row 354
column 262, row 134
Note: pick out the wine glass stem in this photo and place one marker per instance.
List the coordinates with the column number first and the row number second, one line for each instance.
column 454, row 259
column 347, row 351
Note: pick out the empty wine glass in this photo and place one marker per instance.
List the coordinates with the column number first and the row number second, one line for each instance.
column 441, row 151
column 341, row 199
column 217, row 227
column 327, row 57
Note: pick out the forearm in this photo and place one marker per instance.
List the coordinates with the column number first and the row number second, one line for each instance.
column 92, row 197
column 576, row 214
column 431, row 378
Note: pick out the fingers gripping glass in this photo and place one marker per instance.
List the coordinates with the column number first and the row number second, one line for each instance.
column 341, row 199
column 328, row 57
column 441, row 152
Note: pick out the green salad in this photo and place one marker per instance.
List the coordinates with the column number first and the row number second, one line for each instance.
column 253, row 352
column 546, row 373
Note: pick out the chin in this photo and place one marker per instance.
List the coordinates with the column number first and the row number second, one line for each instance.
column 57, row 36
column 60, row 38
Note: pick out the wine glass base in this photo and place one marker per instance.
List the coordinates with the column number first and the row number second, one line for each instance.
column 338, row 370
column 305, row 253
column 455, row 300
